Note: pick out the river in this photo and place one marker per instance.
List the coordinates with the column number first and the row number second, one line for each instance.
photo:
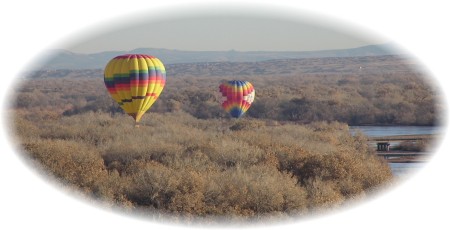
column 383, row 131
column 398, row 169
column 405, row 169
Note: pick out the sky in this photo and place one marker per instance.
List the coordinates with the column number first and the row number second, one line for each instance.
column 29, row 201
column 203, row 31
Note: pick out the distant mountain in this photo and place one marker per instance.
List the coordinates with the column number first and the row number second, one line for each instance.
column 63, row 59
column 327, row 66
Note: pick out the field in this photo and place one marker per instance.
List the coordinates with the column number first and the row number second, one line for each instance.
column 291, row 155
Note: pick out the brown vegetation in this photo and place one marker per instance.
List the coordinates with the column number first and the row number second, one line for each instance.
column 177, row 164
column 291, row 154
column 354, row 99
column 414, row 146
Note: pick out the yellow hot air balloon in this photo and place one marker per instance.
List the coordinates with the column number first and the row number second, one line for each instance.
column 135, row 82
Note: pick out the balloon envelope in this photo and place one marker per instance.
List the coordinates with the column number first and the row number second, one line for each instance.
column 237, row 96
column 135, row 82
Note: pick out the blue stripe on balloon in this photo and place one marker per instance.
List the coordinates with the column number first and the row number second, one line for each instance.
column 236, row 112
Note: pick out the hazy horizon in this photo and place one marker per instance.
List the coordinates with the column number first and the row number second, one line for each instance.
column 229, row 50
column 222, row 33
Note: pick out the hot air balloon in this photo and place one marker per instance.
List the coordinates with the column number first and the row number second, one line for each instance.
column 237, row 96
column 135, row 82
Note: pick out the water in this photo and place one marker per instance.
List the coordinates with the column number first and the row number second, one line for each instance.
column 402, row 170
column 399, row 170
column 383, row 131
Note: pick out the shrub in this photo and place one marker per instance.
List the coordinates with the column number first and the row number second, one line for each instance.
column 188, row 167
column 70, row 161
column 401, row 98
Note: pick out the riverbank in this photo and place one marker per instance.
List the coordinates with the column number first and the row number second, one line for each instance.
column 404, row 137
column 404, row 157
column 404, row 148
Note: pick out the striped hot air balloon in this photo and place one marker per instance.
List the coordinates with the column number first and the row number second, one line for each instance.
column 237, row 97
column 135, row 82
